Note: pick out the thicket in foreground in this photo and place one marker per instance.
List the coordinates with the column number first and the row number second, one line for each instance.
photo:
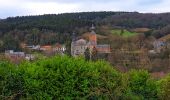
column 73, row 78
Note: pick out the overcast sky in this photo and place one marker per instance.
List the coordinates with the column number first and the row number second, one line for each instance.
column 38, row 7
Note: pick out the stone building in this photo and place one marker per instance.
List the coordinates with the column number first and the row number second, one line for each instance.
column 162, row 44
column 17, row 57
column 78, row 46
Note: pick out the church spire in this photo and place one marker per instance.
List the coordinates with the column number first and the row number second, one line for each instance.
column 93, row 37
column 93, row 29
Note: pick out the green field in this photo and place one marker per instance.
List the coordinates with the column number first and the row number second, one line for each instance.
column 124, row 33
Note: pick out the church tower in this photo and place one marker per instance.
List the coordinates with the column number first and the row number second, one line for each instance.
column 93, row 37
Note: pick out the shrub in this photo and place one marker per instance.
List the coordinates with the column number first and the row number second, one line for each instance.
column 72, row 78
column 141, row 85
column 165, row 88
column 62, row 77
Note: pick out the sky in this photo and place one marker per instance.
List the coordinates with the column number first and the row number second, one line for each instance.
column 12, row 8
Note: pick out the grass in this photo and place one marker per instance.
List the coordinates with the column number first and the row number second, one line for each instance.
column 124, row 33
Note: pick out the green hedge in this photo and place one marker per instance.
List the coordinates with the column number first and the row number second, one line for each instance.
column 73, row 78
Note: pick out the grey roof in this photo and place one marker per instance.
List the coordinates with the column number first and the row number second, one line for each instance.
column 103, row 46
column 80, row 42
column 93, row 32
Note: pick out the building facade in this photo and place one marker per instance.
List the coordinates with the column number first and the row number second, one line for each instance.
column 79, row 46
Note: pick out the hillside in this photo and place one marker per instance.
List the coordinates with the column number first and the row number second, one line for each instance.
column 69, row 21
column 51, row 29
column 58, row 23
column 123, row 32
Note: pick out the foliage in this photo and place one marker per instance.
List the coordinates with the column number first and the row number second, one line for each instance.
column 142, row 85
column 62, row 77
column 10, row 42
column 94, row 54
column 165, row 88
column 87, row 54
column 58, row 23
column 51, row 29
column 123, row 32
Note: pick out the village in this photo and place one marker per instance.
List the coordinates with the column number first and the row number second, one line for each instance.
column 78, row 48
column 124, row 58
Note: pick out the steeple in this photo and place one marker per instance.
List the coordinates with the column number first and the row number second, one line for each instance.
column 93, row 37
column 93, row 29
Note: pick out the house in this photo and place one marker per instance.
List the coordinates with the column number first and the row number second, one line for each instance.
column 11, row 53
column 30, row 47
column 105, row 48
column 51, row 50
column 17, row 57
column 78, row 46
column 56, row 48
column 162, row 43
column 159, row 45
column 46, row 48
column 59, row 48
column 35, row 47
column 29, row 57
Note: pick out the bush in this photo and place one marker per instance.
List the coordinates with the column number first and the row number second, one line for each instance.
column 10, row 82
column 62, row 77
column 66, row 78
column 165, row 88
column 142, row 85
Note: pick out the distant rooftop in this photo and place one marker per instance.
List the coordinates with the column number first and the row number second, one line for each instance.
column 165, row 38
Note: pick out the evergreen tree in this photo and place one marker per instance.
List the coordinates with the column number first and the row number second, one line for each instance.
column 122, row 31
column 10, row 43
column 94, row 54
column 87, row 54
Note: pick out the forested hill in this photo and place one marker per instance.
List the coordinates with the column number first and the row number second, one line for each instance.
column 51, row 29
column 69, row 21
column 57, row 23
column 149, row 20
